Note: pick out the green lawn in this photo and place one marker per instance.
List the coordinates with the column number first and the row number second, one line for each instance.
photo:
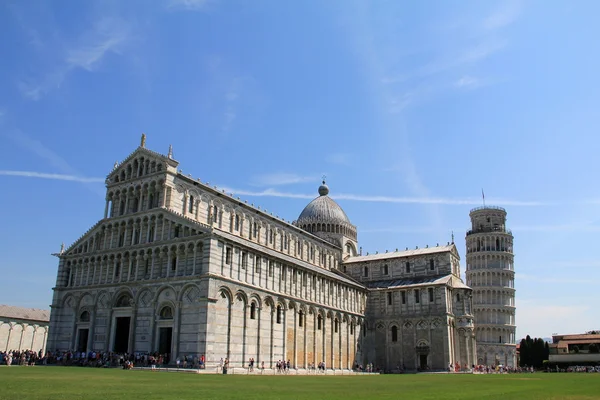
column 105, row 384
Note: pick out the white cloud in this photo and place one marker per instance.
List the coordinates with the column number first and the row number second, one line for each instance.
column 49, row 156
column 60, row 177
column 281, row 178
column 229, row 117
column 109, row 35
column 467, row 82
column 554, row 280
column 339, row 158
column 558, row 228
column 189, row 5
column 381, row 199
column 539, row 319
column 504, row 16
column 400, row 229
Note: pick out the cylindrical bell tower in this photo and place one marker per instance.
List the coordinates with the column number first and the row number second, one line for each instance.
column 490, row 272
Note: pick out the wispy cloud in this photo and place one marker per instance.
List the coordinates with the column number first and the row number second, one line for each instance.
column 37, row 148
column 281, row 178
column 558, row 228
column 382, row 199
column 339, row 158
column 401, row 229
column 508, row 13
column 108, row 35
column 189, row 5
column 60, row 177
column 559, row 280
column 573, row 315
column 467, row 82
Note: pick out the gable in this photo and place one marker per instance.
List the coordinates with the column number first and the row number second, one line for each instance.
column 88, row 242
column 139, row 163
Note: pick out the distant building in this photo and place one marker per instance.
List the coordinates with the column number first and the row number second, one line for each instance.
column 575, row 349
column 23, row 328
column 491, row 274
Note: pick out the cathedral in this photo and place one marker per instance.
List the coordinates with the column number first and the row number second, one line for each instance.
column 184, row 269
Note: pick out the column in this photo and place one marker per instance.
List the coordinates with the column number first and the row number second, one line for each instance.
column 132, row 326
column 90, row 342
column 153, row 347
column 87, row 277
column 176, row 329
column 126, row 203
column 152, row 265
column 194, row 261
column 106, row 208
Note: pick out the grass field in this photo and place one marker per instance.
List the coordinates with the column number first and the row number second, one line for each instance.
column 105, row 384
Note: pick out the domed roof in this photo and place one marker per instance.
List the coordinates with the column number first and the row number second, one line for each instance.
column 323, row 210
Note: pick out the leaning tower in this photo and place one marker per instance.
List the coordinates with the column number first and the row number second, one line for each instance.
column 490, row 272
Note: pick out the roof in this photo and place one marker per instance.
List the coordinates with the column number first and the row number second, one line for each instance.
column 288, row 259
column 415, row 281
column 32, row 314
column 323, row 209
column 400, row 254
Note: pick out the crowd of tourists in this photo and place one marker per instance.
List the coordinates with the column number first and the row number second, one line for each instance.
column 23, row 357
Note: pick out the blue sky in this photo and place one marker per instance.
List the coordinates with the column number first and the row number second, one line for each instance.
column 408, row 108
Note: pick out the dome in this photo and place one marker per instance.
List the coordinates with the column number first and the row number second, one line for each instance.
column 323, row 210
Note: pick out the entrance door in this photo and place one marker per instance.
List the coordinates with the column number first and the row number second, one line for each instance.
column 83, row 339
column 423, row 361
column 165, row 335
column 122, row 335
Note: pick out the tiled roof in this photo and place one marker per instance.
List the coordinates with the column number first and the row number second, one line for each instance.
column 399, row 254
column 32, row 314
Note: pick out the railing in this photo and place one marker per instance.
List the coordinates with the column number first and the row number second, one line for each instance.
column 489, row 230
column 488, row 208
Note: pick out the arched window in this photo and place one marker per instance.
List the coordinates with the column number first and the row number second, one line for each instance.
column 352, row 329
column 124, row 301
column 394, row 333
column 191, row 204
column 457, row 296
column 385, row 269
column 84, row 317
column 300, row 319
column 253, row 311
column 237, row 222
column 319, row 322
column 336, row 325
column 166, row 312
column 366, row 272
column 278, row 314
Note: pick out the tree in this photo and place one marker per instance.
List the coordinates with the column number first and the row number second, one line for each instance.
column 594, row 348
column 533, row 352
column 575, row 349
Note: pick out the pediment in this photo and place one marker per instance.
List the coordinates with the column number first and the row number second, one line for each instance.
column 125, row 170
column 79, row 246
